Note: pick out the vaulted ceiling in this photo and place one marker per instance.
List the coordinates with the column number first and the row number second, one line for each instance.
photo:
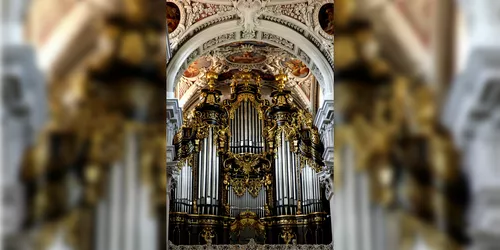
column 255, row 55
column 258, row 57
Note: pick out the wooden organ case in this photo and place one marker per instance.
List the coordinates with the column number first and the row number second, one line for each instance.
column 247, row 169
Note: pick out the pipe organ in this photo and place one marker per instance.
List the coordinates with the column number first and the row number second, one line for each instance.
column 248, row 169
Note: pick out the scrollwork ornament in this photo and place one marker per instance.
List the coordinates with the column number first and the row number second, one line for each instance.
column 287, row 235
column 208, row 234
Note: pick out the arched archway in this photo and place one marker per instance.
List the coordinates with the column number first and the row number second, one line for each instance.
column 270, row 32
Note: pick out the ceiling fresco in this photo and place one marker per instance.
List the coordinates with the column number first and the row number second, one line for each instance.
column 260, row 58
column 246, row 58
column 173, row 17
column 296, row 67
column 202, row 64
column 326, row 18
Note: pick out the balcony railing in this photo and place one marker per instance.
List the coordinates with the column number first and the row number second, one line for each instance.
column 252, row 246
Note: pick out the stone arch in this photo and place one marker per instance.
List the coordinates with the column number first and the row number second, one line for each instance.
column 270, row 32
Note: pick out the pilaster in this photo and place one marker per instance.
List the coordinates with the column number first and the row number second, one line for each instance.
column 324, row 122
column 473, row 115
column 174, row 122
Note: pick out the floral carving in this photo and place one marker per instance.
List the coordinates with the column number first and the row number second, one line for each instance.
column 201, row 11
column 295, row 11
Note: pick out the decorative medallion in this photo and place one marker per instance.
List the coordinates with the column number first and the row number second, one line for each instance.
column 325, row 18
column 173, row 17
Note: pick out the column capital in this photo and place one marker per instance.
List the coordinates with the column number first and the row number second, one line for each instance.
column 174, row 112
column 324, row 117
column 324, row 120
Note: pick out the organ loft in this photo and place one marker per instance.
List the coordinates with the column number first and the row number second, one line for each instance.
column 248, row 169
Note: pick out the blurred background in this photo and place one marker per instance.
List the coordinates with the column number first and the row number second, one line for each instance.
column 416, row 124
column 83, row 124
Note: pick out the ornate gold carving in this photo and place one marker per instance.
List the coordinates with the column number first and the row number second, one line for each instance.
column 267, row 211
column 249, row 219
column 195, row 207
column 211, row 77
column 247, row 161
column 253, row 186
column 208, row 234
column 287, row 235
column 299, row 207
column 281, row 79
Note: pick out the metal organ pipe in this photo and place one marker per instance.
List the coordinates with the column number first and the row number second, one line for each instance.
column 209, row 171
column 215, row 183
column 231, row 142
column 313, row 190
column 190, row 185
column 252, row 128
column 245, row 126
column 306, row 188
column 240, row 128
column 318, row 192
column 299, row 181
column 198, row 179
column 236, row 130
column 279, row 180
column 205, row 173
column 290, row 178
column 215, row 175
column 306, row 191
column 285, row 168
column 283, row 171
column 183, row 190
column 283, row 175
column 310, row 186
column 256, row 130
column 294, row 180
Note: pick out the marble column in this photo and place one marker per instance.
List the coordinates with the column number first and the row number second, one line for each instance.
column 473, row 115
column 174, row 122
column 482, row 163
column 23, row 112
column 324, row 122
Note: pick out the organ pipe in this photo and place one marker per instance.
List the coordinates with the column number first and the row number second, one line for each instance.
column 227, row 160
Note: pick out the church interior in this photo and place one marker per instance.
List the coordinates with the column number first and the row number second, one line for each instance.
column 250, row 124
